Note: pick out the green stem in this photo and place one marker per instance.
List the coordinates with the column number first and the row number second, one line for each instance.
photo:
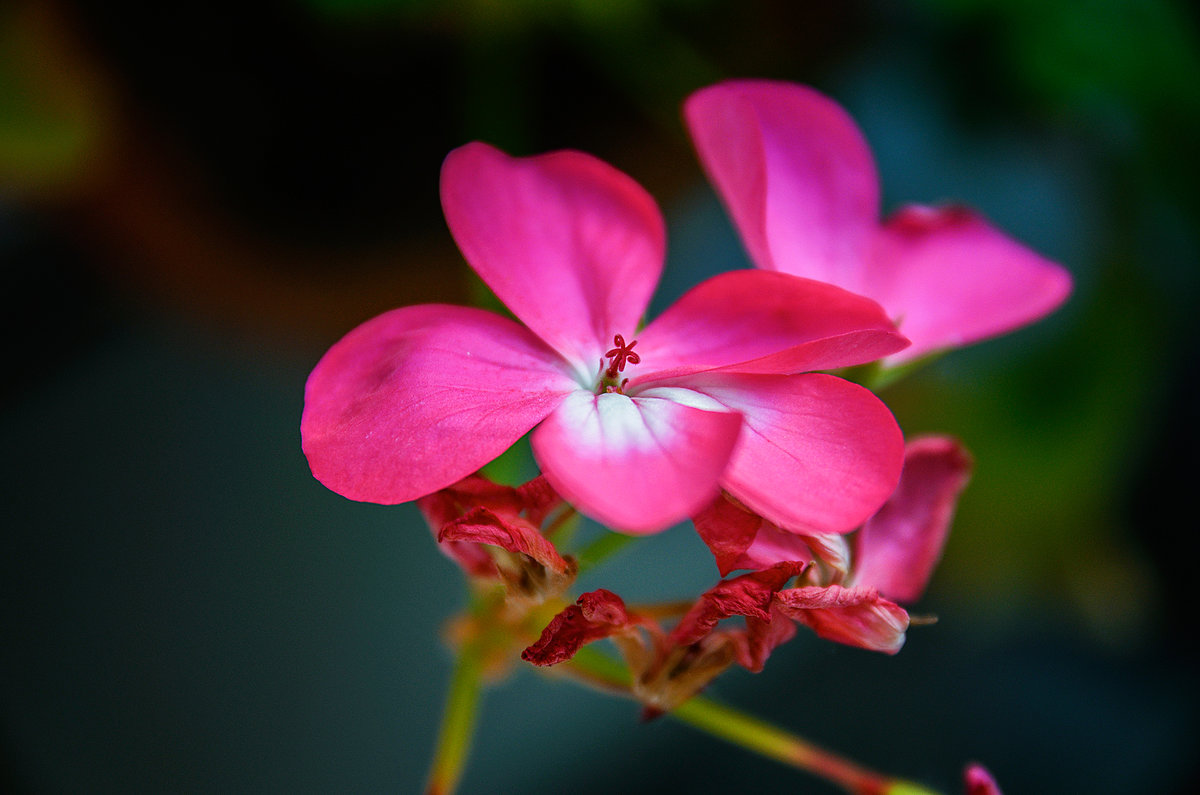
column 458, row 721
column 607, row 545
column 752, row 734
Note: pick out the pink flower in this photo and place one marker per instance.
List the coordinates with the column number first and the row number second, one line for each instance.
column 637, row 429
column 799, row 181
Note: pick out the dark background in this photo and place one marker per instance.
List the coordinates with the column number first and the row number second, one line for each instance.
column 196, row 200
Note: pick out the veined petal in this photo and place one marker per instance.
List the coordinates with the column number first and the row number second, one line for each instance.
column 420, row 397
column 854, row 616
column 818, row 454
column 899, row 546
column 637, row 464
column 755, row 321
column 571, row 245
column 950, row 278
column 795, row 173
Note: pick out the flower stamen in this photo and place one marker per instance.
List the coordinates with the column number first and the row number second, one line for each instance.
column 621, row 355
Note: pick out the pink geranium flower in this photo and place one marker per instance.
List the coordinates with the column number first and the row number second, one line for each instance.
column 636, row 429
column 799, row 181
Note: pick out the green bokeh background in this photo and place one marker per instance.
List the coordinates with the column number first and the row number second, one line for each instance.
column 196, row 201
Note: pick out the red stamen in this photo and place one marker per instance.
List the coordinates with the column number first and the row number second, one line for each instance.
column 621, row 355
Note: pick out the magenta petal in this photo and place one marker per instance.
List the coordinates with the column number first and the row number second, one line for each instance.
column 420, row 397
column 952, row 279
column 818, row 454
column 795, row 173
column 764, row 322
column 636, row 464
column 854, row 616
column 571, row 245
column 899, row 546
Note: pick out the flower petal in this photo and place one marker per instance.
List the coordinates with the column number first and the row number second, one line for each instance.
column 747, row 595
column 818, row 454
column 511, row 533
column 741, row 539
column 952, row 279
column 795, row 173
column 854, row 616
column 571, row 245
column 636, row 464
column 420, row 397
column 755, row 321
column 595, row 615
column 761, row 638
column 899, row 546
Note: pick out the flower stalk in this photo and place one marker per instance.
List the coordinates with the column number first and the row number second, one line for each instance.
column 753, row 734
column 458, row 720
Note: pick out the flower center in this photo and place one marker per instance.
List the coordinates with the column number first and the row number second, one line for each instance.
column 620, row 355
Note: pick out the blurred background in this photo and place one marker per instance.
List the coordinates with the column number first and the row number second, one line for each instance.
column 197, row 199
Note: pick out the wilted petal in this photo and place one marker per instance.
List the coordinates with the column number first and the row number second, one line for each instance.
column 420, row 397
column 760, row 638
column 854, row 616
column 817, row 455
column 510, row 533
column 762, row 322
column 595, row 615
column 950, row 278
column 747, row 595
column 448, row 504
column 979, row 781
column 571, row 245
column 637, row 464
column 728, row 529
column 795, row 173
column 898, row 547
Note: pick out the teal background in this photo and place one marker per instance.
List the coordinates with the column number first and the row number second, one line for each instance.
column 196, row 201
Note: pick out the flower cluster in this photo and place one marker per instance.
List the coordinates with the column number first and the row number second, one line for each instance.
column 721, row 410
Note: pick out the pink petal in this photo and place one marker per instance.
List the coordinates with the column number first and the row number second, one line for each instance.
column 952, row 279
column 763, row 322
column 748, row 595
column 818, row 454
column 571, row 245
column 898, row 547
column 511, row 533
column 978, row 781
column 421, row 397
column 595, row 615
column 636, row 464
column 854, row 616
column 795, row 173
